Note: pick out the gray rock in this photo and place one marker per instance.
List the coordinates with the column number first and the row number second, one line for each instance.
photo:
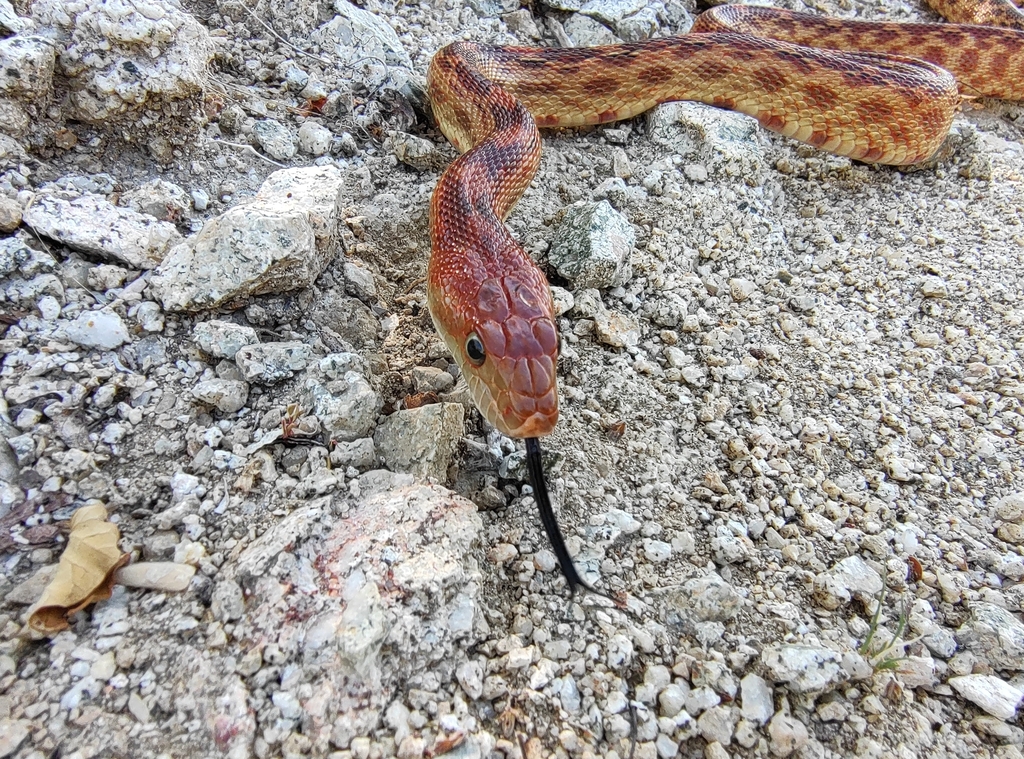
column 995, row 696
column 315, row 139
column 13, row 733
column 160, row 199
column 226, row 395
column 360, row 454
column 346, row 407
column 277, row 140
column 365, row 46
column 998, row 730
column 280, row 241
column 787, row 734
column 702, row 599
column 155, row 62
column 223, row 339
column 269, row 363
column 717, row 724
column 718, row 137
column 804, row 669
column 26, row 67
column 756, row 702
column 295, row 79
column 470, row 675
column 160, row 545
column 849, row 578
column 588, row 32
column 227, row 602
column 102, row 329
column 92, row 224
column 421, row 441
column 27, row 591
column 417, row 152
column 360, row 283
column 263, row 552
column 995, row 635
column 429, row 378
column 10, row 21
column 335, row 366
column 639, row 26
column 592, row 246
column 610, row 12
column 348, row 317
column 18, row 258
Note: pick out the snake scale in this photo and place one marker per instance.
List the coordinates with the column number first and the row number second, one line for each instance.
column 872, row 91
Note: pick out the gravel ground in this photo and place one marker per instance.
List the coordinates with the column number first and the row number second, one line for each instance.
column 790, row 443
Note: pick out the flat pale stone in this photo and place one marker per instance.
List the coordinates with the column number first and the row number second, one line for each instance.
column 92, row 224
column 995, row 696
column 156, row 575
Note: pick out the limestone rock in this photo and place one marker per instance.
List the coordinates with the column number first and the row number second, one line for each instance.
column 280, row 241
column 421, row 441
column 592, row 246
column 92, row 224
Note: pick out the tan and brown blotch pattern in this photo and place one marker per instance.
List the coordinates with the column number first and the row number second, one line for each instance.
column 491, row 303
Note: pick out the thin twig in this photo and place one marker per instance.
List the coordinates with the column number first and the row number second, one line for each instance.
column 251, row 149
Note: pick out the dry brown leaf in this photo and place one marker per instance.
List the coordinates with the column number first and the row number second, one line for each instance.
column 85, row 573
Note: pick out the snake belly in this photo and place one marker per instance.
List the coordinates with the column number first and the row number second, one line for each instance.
column 488, row 300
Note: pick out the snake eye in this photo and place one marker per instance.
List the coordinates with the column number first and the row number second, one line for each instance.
column 475, row 350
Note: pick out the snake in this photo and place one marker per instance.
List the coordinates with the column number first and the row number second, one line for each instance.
column 878, row 92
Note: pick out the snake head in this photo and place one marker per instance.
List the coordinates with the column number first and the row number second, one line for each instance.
column 506, row 344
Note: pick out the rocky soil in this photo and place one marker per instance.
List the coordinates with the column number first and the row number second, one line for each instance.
column 790, row 445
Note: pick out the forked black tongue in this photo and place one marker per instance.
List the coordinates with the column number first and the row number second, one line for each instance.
column 547, row 517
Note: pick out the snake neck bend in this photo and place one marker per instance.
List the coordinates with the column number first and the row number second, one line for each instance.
column 480, row 282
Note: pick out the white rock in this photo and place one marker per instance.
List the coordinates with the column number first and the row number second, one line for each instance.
column 717, row 724
column 994, row 634
column 592, row 246
column 92, row 224
column 26, row 67
column 365, row 45
column 851, row 577
column 97, row 329
column 1011, row 508
column 995, row 696
column 13, row 733
column 657, row 550
column 804, row 669
column 222, row 339
column 155, row 56
column 268, row 363
column 421, row 441
column 756, row 702
column 138, row 708
column 470, row 675
column 347, row 407
column 741, row 289
column 227, row 395
column 156, row 575
column 787, row 734
column 279, row 241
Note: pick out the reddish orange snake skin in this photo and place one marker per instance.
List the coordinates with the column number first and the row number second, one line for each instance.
column 492, row 304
